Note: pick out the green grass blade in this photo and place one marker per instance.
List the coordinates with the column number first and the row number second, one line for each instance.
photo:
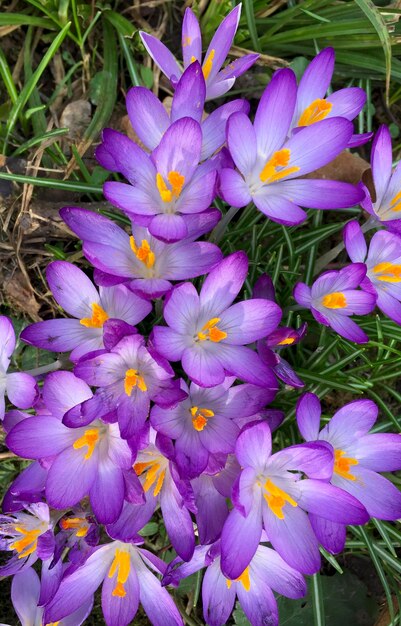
column 318, row 601
column 56, row 132
column 250, row 18
column 66, row 185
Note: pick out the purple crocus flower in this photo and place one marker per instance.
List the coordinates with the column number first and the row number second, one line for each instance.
column 266, row 572
column 162, row 485
column 358, row 457
column 385, row 205
column 270, row 494
column 218, row 81
column 28, row 535
column 270, row 165
column 314, row 106
column 165, row 186
column 130, row 376
column 25, row 596
column 20, row 388
column 144, row 263
column 89, row 460
column 207, row 332
column 150, row 119
column 334, row 296
column 94, row 310
column 203, row 423
column 383, row 262
column 123, row 568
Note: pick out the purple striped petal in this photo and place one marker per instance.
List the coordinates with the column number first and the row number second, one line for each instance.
column 21, row 389
column 380, row 497
column 129, row 159
column 39, row 436
column 62, row 391
column 120, row 611
column 71, row 288
column 355, row 242
column 347, row 102
column 168, row 342
column 147, row 115
column 380, row 452
column 308, row 416
column 331, row 535
column 214, row 126
column 223, row 284
column 189, row 95
column 278, row 208
column 352, row 421
column 7, row 340
column 259, row 603
column 241, row 140
column 71, row 477
column 218, row 598
column 233, row 188
column 254, row 445
column 321, row 194
column 161, row 56
column 179, row 149
column 381, row 160
column 347, row 328
column 330, row 502
column 107, row 492
column 247, row 365
column 203, row 366
column 168, row 227
column 268, row 566
column 245, row 322
column 315, row 80
column 191, row 40
column 158, row 604
column 221, row 42
column 131, row 199
column 239, row 540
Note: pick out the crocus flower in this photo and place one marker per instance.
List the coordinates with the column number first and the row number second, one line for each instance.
column 314, row 106
column 20, row 388
column 334, row 296
column 162, row 485
column 143, row 262
column 270, row 494
column 203, row 423
column 358, row 457
column 207, row 332
column 165, row 186
column 150, row 119
column 94, row 310
column 123, row 568
column 266, row 572
column 83, row 461
column 383, row 262
column 270, row 165
column 218, row 81
column 385, row 205
column 25, row 596
column 130, row 376
column 28, row 535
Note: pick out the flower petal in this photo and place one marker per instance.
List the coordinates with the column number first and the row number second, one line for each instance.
column 355, row 242
column 308, row 416
column 254, row 445
column 241, row 140
column 233, row 188
column 321, row 194
column 147, row 115
column 161, row 56
column 223, row 284
column 239, row 540
column 330, row 502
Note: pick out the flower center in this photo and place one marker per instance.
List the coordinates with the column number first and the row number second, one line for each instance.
column 388, row 272
column 208, row 64
column 28, row 542
column 276, row 498
column 315, row 112
column 335, row 300
column 88, row 439
column 176, row 181
column 134, row 379
column 121, row 566
column 276, row 167
column 211, row 331
column 244, row 579
column 200, row 417
column 143, row 253
column 342, row 465
column 99, row 316
column 78, row 524
column 395, row 203
column 154, row 474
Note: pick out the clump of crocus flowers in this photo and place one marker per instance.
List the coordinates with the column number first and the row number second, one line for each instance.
column 164, row 398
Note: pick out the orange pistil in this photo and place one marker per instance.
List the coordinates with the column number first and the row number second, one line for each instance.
column 208, row 64
column 78, row 524
column 176, row 181
column 276, row 498
column 99, row 316
column 280, row 159
column 286, row 342
column 245, row 579
column 28, row 542
column 395, row 204
column 315, row 112
column 200, row 417
column 335, row 300
column 122, row 566
column 153, row 475
column 388, row 272
column 211, row 331
column 143, row 252
column 89, row 439
column 134, row 379
column 342, row 465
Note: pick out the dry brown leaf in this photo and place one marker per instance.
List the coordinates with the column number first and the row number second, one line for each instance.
column 76, row 117
column 20, row 295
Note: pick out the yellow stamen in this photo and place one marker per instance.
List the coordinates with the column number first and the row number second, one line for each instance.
column 208, row 64
column 335, row 300
column 89, row 439
column 388, row 272
column 28, row 542
column 270, row 173
column 395, row 204
column 153, row 475
column 276, row 499
column 122, row 566
column 193, row 59
column 200, row 417
column 212, row 331
column 133, row 379
column 176, row 181
column 315, row 112
column 342, row 465
column 143, row 253
column 245, row 579
column 286, row 342
column 99, row 316
column 79, row 524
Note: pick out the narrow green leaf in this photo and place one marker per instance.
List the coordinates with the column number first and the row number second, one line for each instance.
column 317, row 601
column 250, row 18
column 66, row 185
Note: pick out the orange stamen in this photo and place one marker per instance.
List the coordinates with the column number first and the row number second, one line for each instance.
column 395, row 204
column 89, row 439
column 342, row 465
column 154, row 474
column 99, row 316
column 208, row 64
column 315, row 112
column 388, row 272
column 122, row 566
column 245, row 579
column 143, row 253
column 276, row 499
column 176, row 181
column 212, row 331
column 280, row 159
column 200, row 417
column 335, row 300
column 134, row 379
column 286, row 342
column 78, row 524
column 28, row 542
